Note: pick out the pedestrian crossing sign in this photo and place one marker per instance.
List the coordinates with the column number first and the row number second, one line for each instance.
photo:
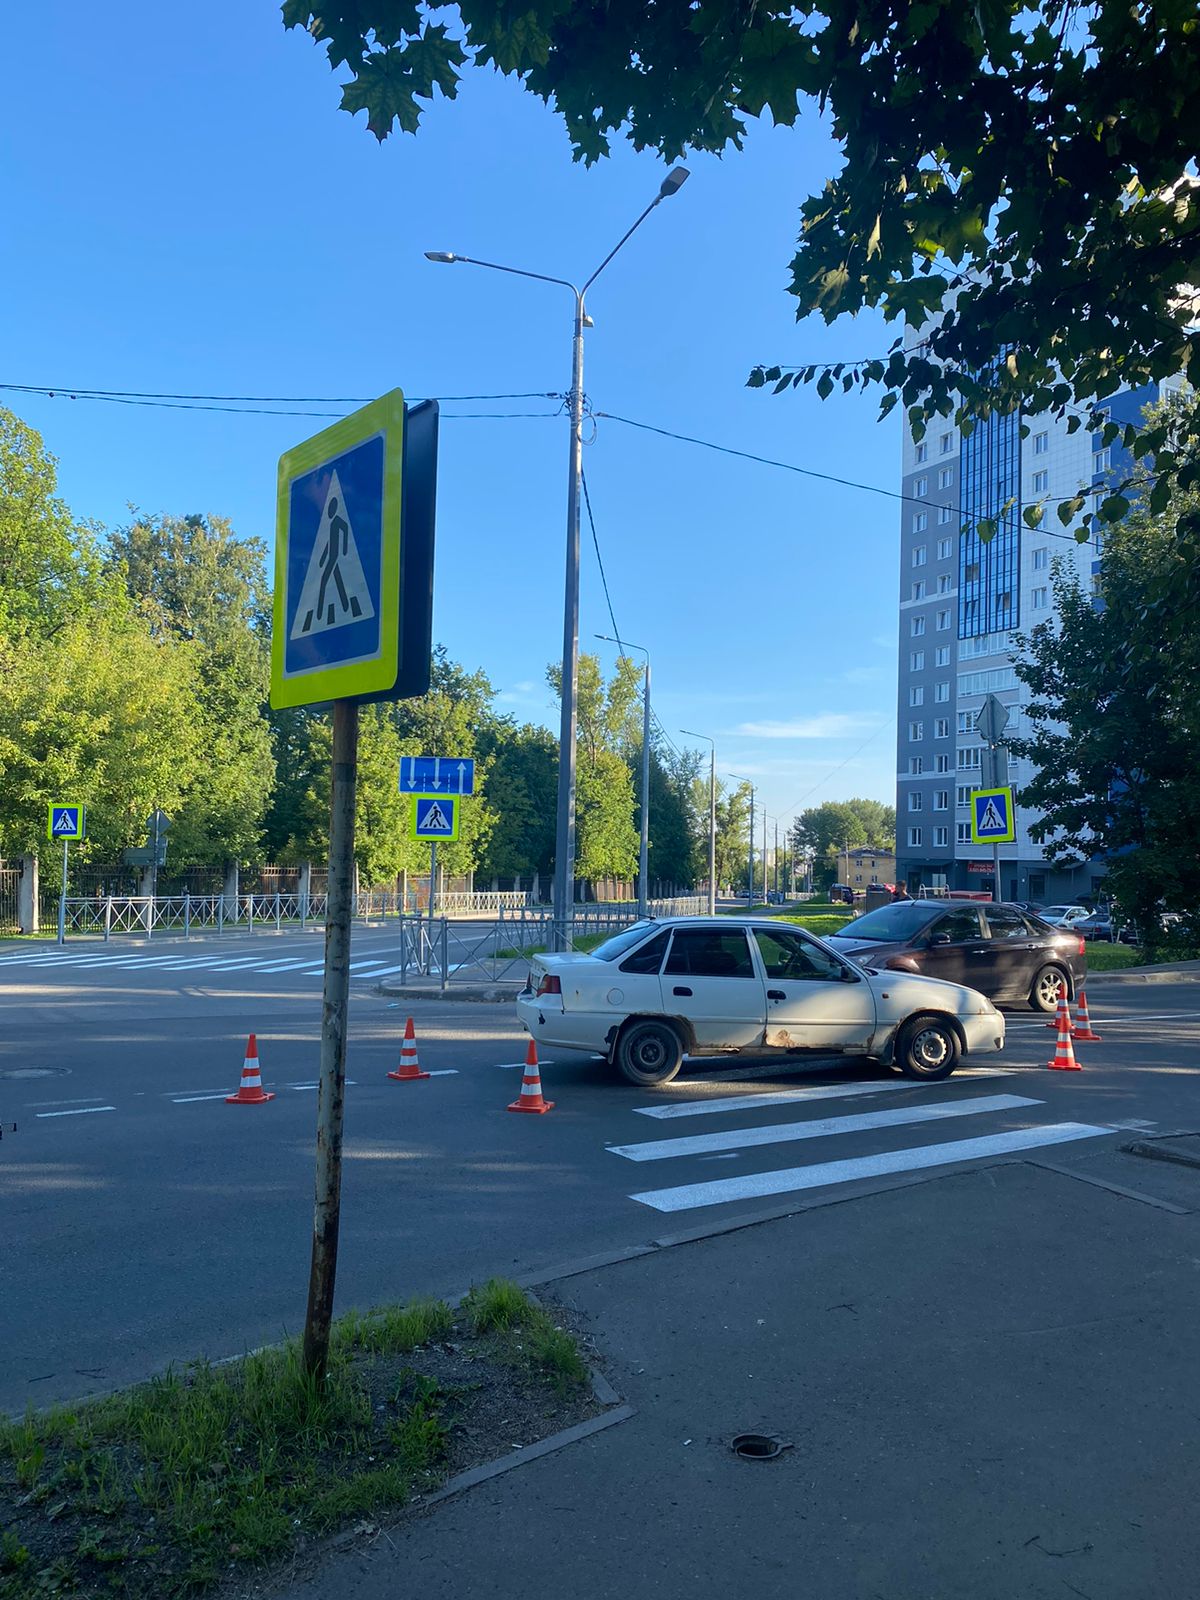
column 65, row 822
column 435, row 816
column 993, row 818
column 337, row 560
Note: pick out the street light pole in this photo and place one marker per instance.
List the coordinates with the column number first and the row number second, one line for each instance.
column 712, row 820
column 644, row 849
column 564, row 848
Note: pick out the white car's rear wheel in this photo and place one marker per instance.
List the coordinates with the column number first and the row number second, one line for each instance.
column 649, row 1052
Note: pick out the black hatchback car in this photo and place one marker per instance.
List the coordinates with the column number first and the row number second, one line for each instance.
column 1000, row 950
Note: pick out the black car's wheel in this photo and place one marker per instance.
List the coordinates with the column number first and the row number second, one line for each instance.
column 927, row 1048
column 649, row 1052
column 1043, row 996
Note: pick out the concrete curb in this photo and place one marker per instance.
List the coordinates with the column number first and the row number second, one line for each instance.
column 471, row 993
column 1182, row 972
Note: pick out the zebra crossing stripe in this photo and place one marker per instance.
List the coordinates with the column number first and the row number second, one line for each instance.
column 820, row 1091
column 818, row 1128
column 825, row 1174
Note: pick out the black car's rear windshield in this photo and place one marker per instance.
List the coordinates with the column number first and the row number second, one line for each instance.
column 895, row 922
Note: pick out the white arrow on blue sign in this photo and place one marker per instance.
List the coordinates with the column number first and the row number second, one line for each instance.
column 437, row 775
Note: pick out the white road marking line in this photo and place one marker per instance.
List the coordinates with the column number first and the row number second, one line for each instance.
column 192, row 1099
column 80, row 1111
column 445, row 1072
column 745, row 1102
column 82, row 1100
column 387, row 972
column 282, row 966
column 349, row 1083
column 817, row 1128
column 757, row 1185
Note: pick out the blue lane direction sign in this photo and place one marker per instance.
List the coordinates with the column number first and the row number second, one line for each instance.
column 65, row 822
column 436, row 816
column 992, row 816
column 437, row 775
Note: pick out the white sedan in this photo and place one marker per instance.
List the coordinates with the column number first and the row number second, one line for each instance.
column 658, row 991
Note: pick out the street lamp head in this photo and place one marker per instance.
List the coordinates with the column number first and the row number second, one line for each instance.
column 447, row 256
column 673, row 182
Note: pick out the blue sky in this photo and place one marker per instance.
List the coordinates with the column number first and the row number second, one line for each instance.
column 187, row 210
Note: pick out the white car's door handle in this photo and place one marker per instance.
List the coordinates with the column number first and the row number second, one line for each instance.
column 776, row 994
column 679, row 989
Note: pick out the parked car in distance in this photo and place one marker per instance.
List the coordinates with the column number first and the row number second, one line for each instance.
column 1099, row 926
column 656, row 991
column 1003, row 952
column 1064, row 916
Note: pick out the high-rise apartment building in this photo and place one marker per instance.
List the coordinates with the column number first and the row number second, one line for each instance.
column 961, row 600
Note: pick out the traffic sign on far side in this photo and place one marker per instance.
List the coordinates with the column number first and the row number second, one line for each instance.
column 992, row 817
column 65, row 822
column 437, row 775
column 435, row 816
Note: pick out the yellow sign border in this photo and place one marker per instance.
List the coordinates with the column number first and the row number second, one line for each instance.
column 66, row 805
column 995, row 838
column 454, row 801
column 321, row 684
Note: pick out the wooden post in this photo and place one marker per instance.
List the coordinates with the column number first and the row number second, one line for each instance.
column 332, row 1088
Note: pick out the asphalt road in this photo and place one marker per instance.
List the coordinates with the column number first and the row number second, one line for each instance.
column 149, row 1221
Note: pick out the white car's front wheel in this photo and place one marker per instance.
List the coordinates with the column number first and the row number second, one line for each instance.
column 927, row 1048
column 649, row 1052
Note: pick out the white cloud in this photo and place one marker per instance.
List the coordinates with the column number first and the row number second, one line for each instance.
column 830, row 725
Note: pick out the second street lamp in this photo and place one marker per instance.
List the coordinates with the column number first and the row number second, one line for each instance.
column 644, row 849
column 564, row 846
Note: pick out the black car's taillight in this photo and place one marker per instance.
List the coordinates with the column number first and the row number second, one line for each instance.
column 549, row 984
column 1082, row 946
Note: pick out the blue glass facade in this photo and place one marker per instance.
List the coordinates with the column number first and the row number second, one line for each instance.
column 989, row 596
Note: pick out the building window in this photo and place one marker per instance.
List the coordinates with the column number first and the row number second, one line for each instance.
column 915, row 766
column 922, row 452
column 915, row 800
column 942, row 764
column 916, row 661
column 1041, row 444
column 921, row 486
column 962, row 795
column 943, row 621
column 962, row 832
column 941, row 693
column 943, row 545
column 987, row 682
column 941, row 656
column 969, row 760
column 941, row 800
column 966, row 721
column 971, row 572
column 1040, row 598
column 917, row 627
column 914, row 836
column 944, row 582
column 945, row 477
column 941, row 728
column 1102, row 461
column 1041, row 482
column 916, row 732
column 944, row 514
column 918, row 555
column 947, row 443
column 941, row 836
column 1041, row 558
column 916, row 695
column 918, row 589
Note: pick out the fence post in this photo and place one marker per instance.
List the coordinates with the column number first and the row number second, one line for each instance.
column 278, row 920
column 445, row 952
column 250, row 912
column 187, row 914
column 107, row 917
column 221, row 914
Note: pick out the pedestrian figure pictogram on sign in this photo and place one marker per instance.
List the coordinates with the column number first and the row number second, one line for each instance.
column 992, row 816
column 435, row 820
column 991, row 821
column 436, row 817
column 65, row 822
column 335, row 590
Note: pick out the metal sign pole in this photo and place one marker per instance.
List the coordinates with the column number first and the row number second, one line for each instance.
column 62, row 899
column 332, row 1087
column 432, row 887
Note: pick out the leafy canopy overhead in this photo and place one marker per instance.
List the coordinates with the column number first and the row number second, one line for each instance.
column 1015, row 176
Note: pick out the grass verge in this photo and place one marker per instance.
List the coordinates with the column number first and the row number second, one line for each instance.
column 586, row 942
column 821, row 923
column 164, row 1489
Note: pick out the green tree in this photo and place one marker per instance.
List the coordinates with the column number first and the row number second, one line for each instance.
column 606, row 837
column 522, row 789
column 1051, row 143
column 1116, row 723
column 196, row 581
column 733, row 833
column 823, row 830
column 49, row 566
column 674, row 822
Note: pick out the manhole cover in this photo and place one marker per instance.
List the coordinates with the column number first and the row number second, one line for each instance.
column 34, row 1072
column 758, row 1446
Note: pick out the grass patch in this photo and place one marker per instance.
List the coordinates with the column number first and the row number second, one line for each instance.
column 1113, row 957
column 159, row 1491
column 821, row 923
column 585, row 942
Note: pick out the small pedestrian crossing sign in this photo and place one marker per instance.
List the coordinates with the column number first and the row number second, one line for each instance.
column 65, row 822
column 435, row 816
column 992, row 817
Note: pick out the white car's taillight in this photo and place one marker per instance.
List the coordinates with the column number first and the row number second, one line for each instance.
column 549, row 984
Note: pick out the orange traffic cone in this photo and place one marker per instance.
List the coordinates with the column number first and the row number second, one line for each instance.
column 410, row 1067
column 250, row 1091
column 1083, row 1023
column 1064, row 1056
column 1053, row 1022
column 531, row 1086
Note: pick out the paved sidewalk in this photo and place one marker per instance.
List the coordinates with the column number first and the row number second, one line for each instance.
column 990, row 1379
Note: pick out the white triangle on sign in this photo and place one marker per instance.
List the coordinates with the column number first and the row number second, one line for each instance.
column 335, row 590
column 64, row 822
column 991, row 821
column 435, row 820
